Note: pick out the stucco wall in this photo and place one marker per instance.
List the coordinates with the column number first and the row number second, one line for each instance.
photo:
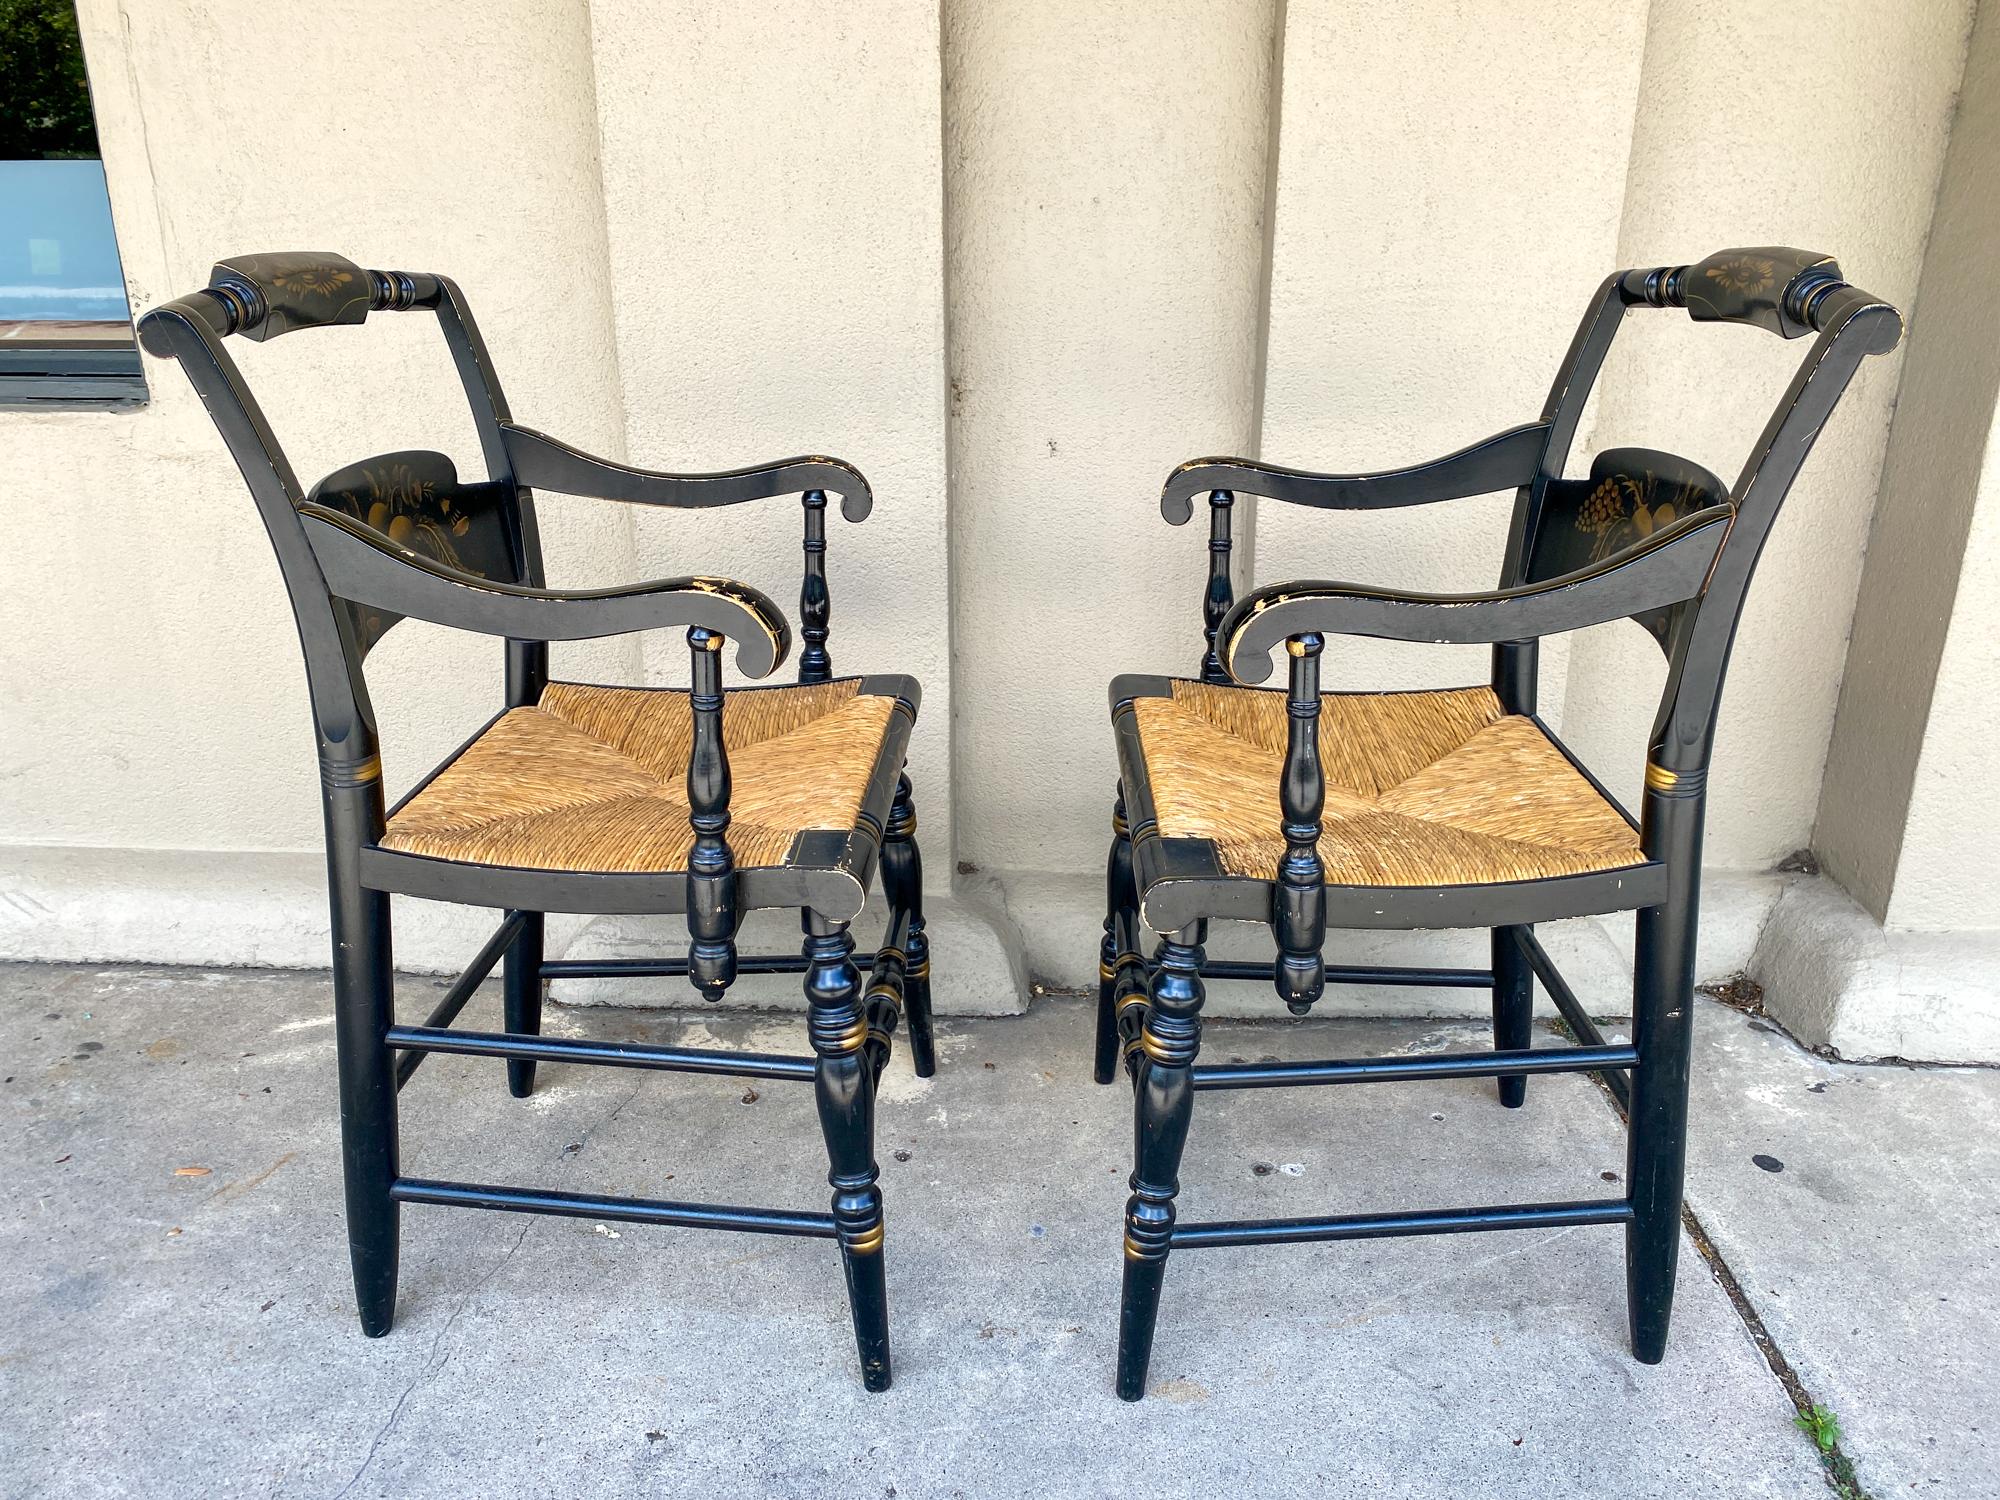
column 773, row 200
column 154, row 696
column 1944, row 880
column 1015, row 260
column 1756, row 129
column 1920, row 579
column 1440, row 229
column 1105, row 183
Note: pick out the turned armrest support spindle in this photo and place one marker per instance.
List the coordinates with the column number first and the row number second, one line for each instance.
column 815, row 601
column 1220, row 596
column 1298, row 903
column 712, row 913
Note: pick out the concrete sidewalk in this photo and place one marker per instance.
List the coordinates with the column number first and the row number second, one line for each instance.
column 169, row 1332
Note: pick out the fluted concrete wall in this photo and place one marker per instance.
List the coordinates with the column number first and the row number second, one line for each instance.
column 1759, row 128
column 1105, row 169
column 773, row 199
column 1015, row 260
column 153, row 691
column 1441, row 224
column 1907, row 819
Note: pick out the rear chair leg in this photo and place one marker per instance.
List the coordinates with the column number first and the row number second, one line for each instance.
column 903, row 883
column 1513, row 1008
column 1662, row 1030
column 1111, row 954
column 845, row 1092
column 522, row 997
column 1163, row 1106
column 363, row 1010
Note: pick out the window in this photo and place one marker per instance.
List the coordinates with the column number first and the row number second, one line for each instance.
column 65, row 326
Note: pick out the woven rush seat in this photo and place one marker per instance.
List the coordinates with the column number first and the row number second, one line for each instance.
column 595, row 778
column 1424, row 788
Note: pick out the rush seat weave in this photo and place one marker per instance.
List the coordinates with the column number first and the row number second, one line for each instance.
column 1426, row 788
column 595, row 778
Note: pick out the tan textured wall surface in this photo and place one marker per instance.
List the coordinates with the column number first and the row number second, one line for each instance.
column 1440, row 229
column 1912, row 592
column 773, row 195
column 1757, row 130
column 1105, row 184
column 153, row 692
column 1015, row 260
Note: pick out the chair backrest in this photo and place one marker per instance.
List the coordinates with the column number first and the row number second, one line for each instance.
column 1562, row 524
column 417, row 498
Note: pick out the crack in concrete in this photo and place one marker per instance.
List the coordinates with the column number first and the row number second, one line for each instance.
column 434, row 1363
column 1836, row 1467
column 437, row 1358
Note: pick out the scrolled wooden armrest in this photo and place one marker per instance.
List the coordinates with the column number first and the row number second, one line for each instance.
column 363, row 565
column 1669, row 566
column 546, row 463
column 1504, row 461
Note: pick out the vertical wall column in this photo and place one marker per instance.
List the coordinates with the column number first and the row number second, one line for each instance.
column 772, row 191
column 1755, row 128
column 1105, row 181
column 1440, row 229
column 1908, row 822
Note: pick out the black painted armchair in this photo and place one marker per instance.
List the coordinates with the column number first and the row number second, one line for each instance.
column 575, row 797
column 1459, row 808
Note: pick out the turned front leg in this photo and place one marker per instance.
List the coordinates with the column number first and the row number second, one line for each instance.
column 1113, row 955
column 903, row 884
column 844, row 1089
column 1163, row 1106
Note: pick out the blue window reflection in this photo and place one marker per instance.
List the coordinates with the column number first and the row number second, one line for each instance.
column 58, row 255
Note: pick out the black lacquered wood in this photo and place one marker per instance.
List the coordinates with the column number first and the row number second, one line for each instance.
column 1163, row 1105
column 403, row 535
column 713, row 912
column 1513, row 1007
column 1406, row 1069
column 464, row 987
column 1451, row 979
column 619, row 1210
column 1663, row 1030
column 815, row 599
column 659, row 968
column 1649, row 536
column 844, row 1090
column 1120, row 969
column 1397, row 1225
column 548, row 463
column 1667, row 567
column 1221, row 592
column 907, row 948
column 1580, row 1022
column 1500, row 462
column 367, row 568
column 1298, row 899
column 521, row 995
column 600, row 1054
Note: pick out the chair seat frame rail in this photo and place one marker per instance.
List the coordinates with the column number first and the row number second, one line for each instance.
column 1646, row 536
column 400, row 536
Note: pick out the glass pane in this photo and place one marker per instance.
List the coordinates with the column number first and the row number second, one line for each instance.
column 65, row 324
column 58, row 256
